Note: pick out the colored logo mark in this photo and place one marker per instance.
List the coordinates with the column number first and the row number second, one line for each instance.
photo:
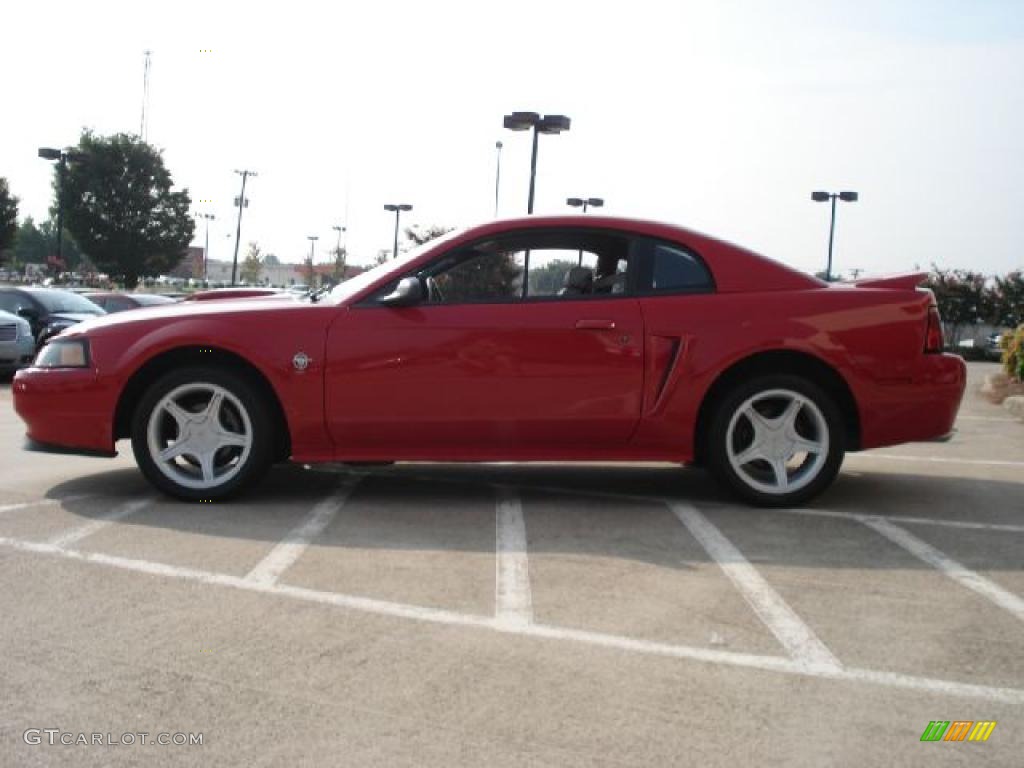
column 958, row 730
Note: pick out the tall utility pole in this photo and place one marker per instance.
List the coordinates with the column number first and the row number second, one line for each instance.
column 241, row 202
column 143, row 127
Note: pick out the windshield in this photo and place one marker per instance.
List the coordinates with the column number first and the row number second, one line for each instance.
column 65, row 301
column 353, row 286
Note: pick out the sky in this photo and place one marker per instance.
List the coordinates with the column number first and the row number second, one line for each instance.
column 721, row 116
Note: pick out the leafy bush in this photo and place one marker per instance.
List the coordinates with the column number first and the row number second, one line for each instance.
column 1013, row 353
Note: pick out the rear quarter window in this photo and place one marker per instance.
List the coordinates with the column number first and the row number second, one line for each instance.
column 674, row 269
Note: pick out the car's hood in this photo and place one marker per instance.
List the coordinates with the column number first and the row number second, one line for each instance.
column 69, row 317
column 189, row 310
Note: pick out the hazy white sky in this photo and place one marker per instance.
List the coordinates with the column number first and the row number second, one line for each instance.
column 720, row 115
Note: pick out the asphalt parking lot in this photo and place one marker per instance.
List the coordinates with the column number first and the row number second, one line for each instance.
column 517, row 615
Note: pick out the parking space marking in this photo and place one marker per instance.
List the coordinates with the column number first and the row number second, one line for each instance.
column 1006, row 419
column 968, row 524
column 513, row 601
column 613, row 642
column 936, row 459
column 38, row 503
column 290, row 549
column 948, row 566
column 121, row 511
column 795, row 636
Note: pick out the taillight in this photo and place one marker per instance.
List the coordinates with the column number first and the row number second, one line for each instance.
column 933, row 336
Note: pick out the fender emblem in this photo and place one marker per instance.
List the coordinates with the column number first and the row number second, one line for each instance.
column 301, row 361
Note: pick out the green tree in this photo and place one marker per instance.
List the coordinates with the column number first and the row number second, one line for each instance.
column 340, row 258
column 418, row 235
column 270, row 260
column 1008, row 299
column 38, row 245
column 252, row 267
column 120, row 207
column 964, row 298
column 549, row 279
column 8, row 217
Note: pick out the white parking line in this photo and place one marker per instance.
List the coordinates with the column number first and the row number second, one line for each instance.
column 121, row 511
column 1006, row 419
column 283, row 556
column 948, row 566
column 966, row 524
column 512, row 598
column 39, row 503
column 613, row 642
column 936, row 459
column 796, row 637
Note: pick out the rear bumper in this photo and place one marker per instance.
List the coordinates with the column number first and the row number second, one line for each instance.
column 922, row 408
column 66, row 409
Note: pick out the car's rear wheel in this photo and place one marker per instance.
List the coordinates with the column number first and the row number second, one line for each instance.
column 776, row 440
column 202, row 434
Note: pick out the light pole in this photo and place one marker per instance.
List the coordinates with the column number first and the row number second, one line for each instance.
column 592, row 202
column 821, row 197
column 397, row 208
column 522, row 121
column 242, row 202
column 206, row 250
column 580, row 202
column 62, row 157
column 312, row 258
column 497, row 177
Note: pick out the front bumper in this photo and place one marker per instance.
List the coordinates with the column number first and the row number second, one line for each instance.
column 17, row 354
column 69, row 409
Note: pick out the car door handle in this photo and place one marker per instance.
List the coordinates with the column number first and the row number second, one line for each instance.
column 595, row 325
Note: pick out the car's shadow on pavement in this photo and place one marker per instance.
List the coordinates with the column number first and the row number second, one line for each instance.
column 610, row 511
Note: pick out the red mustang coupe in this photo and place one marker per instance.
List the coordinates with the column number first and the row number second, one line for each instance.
column 562, row 338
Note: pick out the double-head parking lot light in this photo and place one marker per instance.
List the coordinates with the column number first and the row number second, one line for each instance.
column 821, row 196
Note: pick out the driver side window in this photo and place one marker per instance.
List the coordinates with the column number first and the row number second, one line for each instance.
column 481, row 277
column 554, row 264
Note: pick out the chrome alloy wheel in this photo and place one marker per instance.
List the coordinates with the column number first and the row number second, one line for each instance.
column 199, row 435
column 777, row 441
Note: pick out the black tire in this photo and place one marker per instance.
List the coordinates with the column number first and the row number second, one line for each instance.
column 241, row 468
column 745, row 483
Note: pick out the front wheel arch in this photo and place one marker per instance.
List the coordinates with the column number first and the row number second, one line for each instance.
column 179, row 357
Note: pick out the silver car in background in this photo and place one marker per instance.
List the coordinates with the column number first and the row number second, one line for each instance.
column 17, row 347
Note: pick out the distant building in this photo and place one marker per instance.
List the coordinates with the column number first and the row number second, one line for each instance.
column 284, row 275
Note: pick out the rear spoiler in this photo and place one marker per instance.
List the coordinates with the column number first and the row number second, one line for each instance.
column 907, row 282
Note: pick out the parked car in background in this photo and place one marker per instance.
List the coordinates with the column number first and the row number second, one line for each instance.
column 657, row 344
column 17, row 345
column 48, row 310
column 112, row 301
column 233, row 293
column 993, row 346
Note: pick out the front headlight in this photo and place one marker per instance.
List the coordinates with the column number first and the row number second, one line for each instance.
column 64, row 353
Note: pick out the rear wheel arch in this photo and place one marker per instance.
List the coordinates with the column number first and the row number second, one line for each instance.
column 781, row 361
column 159, row 365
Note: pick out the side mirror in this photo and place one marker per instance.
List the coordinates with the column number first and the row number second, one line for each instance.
column 28, row 313
column 407, row 293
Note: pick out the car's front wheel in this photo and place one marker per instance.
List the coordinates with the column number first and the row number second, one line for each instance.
column 201, row 434
column 776, row 440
